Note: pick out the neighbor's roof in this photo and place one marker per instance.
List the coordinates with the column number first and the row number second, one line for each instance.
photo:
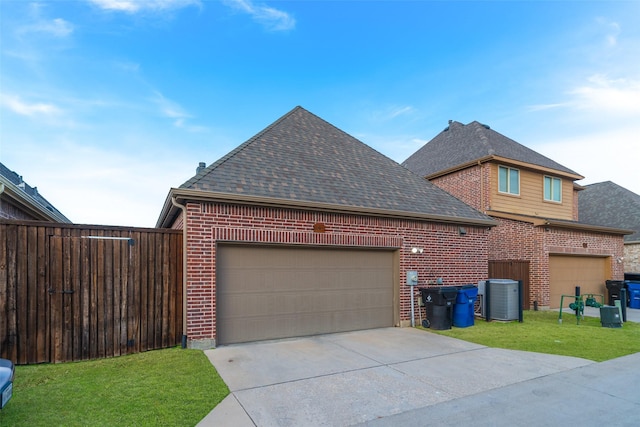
column 27, row 198
column 303, row 161
column 461, row 145
column 607, row 203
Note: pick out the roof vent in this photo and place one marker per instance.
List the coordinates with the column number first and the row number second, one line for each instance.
column 201, row 167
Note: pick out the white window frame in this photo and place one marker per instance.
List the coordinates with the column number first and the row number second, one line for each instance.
column 510, row 191
column 551, row 192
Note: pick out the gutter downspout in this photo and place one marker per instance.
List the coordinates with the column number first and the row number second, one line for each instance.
column 184, row 269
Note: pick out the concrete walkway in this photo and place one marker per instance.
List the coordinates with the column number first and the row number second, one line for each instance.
column 403, row 376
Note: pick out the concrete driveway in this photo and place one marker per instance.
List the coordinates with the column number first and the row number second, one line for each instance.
column 376, row 377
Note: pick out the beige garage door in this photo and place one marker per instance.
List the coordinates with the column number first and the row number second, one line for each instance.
column 270, row 292
column 567, row 272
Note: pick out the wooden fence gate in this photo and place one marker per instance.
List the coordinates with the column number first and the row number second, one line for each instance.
column 85, row 292
column 515, row 270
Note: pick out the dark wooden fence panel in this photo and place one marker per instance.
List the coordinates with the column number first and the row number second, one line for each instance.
column 85, row 292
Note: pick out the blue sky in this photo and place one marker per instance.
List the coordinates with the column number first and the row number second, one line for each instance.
column 107, row 104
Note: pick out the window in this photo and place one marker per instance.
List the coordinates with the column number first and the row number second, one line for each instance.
column 552, row 189
column 508, row 180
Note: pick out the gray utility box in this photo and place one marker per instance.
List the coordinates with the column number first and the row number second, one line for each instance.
column 502, row 300
column 610, row 317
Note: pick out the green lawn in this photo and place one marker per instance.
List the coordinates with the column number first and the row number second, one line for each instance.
column 542, row 333
column 176, row 387
column 171, row 387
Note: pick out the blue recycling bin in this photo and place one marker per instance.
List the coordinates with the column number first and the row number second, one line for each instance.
column 463, row 310
column 634, row 294
column 7, row 372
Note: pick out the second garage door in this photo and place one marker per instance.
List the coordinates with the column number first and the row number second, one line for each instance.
column 274, row 292
column 567, row 272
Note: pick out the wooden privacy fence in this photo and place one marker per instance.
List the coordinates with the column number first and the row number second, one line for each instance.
column 85, row 292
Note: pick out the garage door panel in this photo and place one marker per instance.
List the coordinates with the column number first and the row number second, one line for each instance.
column 567, row 272
column 265, row 293
column 251, row 328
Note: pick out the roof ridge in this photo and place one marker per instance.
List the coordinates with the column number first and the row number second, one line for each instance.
column 353, row 137
column 480, row 131
column 206, row 171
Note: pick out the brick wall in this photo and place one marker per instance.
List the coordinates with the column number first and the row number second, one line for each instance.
column 457, row 259
column 517, row 240
column 471, row 185
column 576, row 195
column 632, row 258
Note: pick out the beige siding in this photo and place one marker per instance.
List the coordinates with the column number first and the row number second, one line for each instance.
column 531, row 199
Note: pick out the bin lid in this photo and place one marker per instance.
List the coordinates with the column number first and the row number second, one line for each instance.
column 632, row 276
column 470, row 291
column 439, row 289
column 614, row 284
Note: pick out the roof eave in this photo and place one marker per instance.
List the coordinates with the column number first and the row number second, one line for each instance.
column 587, row 227
column 505, row 160
column 559, row 223
column 459, row 167
column 28, row 204
column 182, row 195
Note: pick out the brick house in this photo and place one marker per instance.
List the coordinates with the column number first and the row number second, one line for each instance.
column 534, row 199
column 304, row 230
column 609, row 204
column 18, row 200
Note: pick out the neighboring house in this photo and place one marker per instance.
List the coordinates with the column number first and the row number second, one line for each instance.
column 534, row 199
column 18, row 200
column 303, row 230
column 609, row 204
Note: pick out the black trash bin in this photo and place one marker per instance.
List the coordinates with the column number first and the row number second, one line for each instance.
column 438, row 302
column 613, row 289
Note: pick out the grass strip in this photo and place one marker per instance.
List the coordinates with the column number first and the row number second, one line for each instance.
column 170, row 387
column 541, row 332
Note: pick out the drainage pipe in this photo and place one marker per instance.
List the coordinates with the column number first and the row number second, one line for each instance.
column 183, row 208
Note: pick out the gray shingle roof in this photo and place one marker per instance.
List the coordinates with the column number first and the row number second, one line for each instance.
column 39, row 202
column 461, row 144
column 301, row 157
column 609, row 204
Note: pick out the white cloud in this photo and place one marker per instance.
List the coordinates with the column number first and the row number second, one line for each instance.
column 611, row 96
column 93, row 185
column 174, row 111
column 542, row 107
column 17, row 105
column 56, row 27
column 606, row 155
column 398, row 111
column 271, row 18
column 391, row 112
column 132, row 6
column 613, row 30
column 169, row 108
column 599, row 98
